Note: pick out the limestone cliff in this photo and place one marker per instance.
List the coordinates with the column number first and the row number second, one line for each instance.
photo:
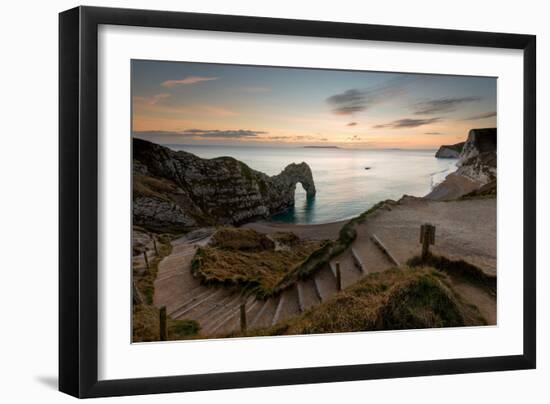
column 177, row 191
column 477, row 168
column 450, row 151
column 478, row 160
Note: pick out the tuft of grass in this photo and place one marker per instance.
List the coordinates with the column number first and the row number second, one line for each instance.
column 249, row 260
column 182, row 329
column 396, row 299
column 460, row 268
column 234, row 239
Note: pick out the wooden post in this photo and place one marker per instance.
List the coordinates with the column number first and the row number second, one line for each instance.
column 243, row 316
column 146, row 259
column 427, row 238
column 155, row 245
column 338, row 277
column 162, row 318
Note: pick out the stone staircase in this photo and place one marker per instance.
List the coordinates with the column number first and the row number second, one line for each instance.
column 217, row 309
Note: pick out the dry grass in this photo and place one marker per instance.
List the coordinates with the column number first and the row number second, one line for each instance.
column 392, row 300
column 246, row 258
column 144, row 185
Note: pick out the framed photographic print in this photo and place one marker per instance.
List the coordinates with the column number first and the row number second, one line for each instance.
column 251, row 201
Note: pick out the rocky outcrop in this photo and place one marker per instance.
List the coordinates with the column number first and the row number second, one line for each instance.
column 477, row 168
column 478, row 160
column 450, row 151
column 178, row 191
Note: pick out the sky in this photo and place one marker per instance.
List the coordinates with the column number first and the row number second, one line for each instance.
column 183, row 103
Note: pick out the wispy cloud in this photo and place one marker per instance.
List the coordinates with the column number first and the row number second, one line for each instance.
column 442, row 105
column 352, row 124
column 187, row 81
column 227, row 134
column 407, row 123
column 357, row 100
column 432, row 133
column 202, row 133
column 481, row 116
column 152, row 100
column 297, row 138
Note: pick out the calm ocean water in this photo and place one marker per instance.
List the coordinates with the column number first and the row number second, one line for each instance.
column 344, row 188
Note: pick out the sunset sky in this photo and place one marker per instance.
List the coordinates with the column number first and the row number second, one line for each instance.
column 201, row 103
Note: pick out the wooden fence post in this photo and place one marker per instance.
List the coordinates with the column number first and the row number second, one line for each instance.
column 243, row 316
column 338, row 277
column 427, row 238
column 146, row 259
column 155, row 245
column 162, row 321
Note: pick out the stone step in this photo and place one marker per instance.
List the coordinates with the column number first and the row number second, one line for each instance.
column 209, row 306
column 348, row 270
column 384, row 249
column 197, row 301
column 307, row 294
column 232, row 320
column 288, row 305
column 265, row 315
column 222, row 310
column 357, row 260
column 325, row 282
column 375, row 260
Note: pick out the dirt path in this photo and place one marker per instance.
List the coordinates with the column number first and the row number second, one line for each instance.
column 326, row 231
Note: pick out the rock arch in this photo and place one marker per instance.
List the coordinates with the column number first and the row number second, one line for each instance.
column 292, row 174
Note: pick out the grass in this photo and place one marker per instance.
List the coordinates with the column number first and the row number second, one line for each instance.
column 460, row 269
column 145, row 279
column 144, row 185
column 409, row 298
column 487, row 191
column 250, row 260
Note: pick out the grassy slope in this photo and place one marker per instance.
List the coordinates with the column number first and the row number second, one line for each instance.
column 250, row 260
column 391, row 300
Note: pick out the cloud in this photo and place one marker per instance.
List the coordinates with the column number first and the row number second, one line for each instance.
column 187, row 81
column 152, row 100
column 226, row 134
column 357, row 100
column 442, row 105
column 352, row 124
column 201, row 133
column 354, row 138
column 432, row 133
column 481, row 116
column 407, row 123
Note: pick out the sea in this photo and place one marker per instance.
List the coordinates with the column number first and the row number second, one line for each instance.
column 348, row 181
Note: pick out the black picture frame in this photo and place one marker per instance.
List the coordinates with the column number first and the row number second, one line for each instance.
column 78, row 200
